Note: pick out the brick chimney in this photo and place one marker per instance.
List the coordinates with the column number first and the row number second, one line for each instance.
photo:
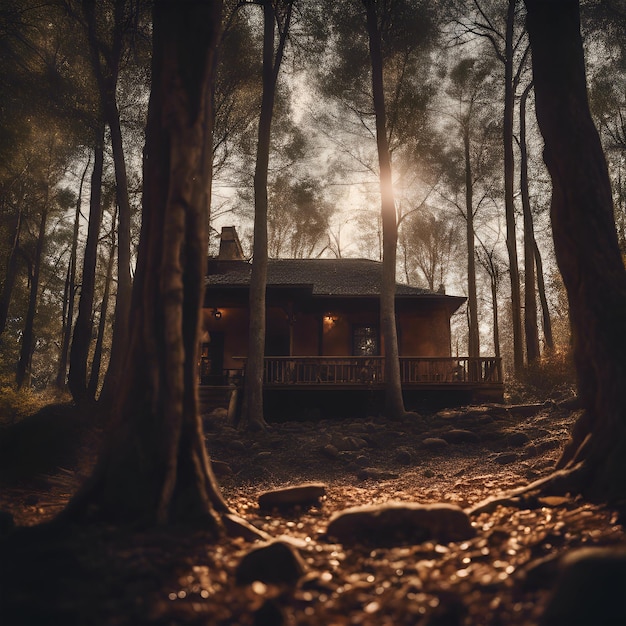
column 230, row 246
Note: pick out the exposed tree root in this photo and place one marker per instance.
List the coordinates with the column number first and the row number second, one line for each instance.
column 560, row 483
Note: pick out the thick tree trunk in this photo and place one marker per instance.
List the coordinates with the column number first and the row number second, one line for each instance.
column 154, row 467
column 586, row 248
column 531, row 329
column 22, row 377
column 472, row 301
column 11, row 271
column 252, row 411
column 509, row 173
column 83, row 328
column 394, row 401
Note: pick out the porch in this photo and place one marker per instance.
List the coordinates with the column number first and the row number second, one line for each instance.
column 367, row 372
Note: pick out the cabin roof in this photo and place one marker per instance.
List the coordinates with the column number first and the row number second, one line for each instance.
column 324, row 277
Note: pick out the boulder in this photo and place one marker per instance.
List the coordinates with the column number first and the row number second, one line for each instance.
column 400, row 523
column 460, row 435
column 434, row 443
column 276, row 563
column 298, row 495
column 590, row 589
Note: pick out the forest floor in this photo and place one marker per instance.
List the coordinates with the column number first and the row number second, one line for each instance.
column 502, row 575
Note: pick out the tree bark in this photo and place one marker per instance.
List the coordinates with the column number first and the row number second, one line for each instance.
column 531, row 329
column 509, row 204
column 472, row 302
column 586, row 248
column 252, row 410
column 394, row 401
column 83, row 328
column 154, row 467
column 11, row 271
column 22, row 377
column 69, row 295
column 94, row 376
column 545, row 311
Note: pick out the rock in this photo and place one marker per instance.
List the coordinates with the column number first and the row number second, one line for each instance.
column 434, row 443
column 238, row 445
column 505, row 458
column 275, row 563
column 375, row 474
column 403, row 456
column 589, row 590
column 264, row 454
column 428, row 473
column 459, row 435
column 518, row 439
column 220, row 468
column 330, row 451
column 399, row 523
column 348, row 444
column 302, row 495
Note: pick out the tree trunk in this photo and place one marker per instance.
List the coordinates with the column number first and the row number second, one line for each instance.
column 115, row 371
column 69, row 295
column 94, row 377
column 531, row 329
column 586, row 248
column 252, row 410
column 545, row 311
column 105, row 60
column 472, row 303
column 154, row 467
column 11, row 271
column 81, row 340
column 28, row 342
column 394, row 401
column 509, row 172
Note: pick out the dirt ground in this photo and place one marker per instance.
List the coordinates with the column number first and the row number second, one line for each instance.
column 457, row 456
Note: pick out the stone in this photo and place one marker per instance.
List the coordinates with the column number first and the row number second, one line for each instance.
column 518, row 439
column 264, row 454
column 329, row 451
column 428, row 473
column 375, row 474
column 590, row 589
column 400, row 523
column 459, row 435
column 275, row 563
column 220, row 468
column 305, row 494
column 506, row 458
column 434, row 443
column 403, row 456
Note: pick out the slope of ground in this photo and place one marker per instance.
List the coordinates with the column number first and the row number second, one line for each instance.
column 503, row 575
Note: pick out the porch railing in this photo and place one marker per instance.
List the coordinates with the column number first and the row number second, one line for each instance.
column 359, row 371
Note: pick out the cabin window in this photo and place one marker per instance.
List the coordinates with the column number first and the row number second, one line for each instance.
column 365, row 341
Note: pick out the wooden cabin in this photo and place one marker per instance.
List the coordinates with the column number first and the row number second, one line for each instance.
column 323, row 329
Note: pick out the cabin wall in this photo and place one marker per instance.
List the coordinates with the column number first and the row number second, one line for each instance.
column 420, row 333
column 424, row 333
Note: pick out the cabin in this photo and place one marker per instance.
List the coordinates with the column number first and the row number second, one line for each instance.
column 323, row 334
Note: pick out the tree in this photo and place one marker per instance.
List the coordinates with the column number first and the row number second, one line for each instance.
column 428, row 242
column 298, row 218
column 154, row 466
column 588, row 255
column 531, row 329
column 83, row 328
column 252, row 410
column 509, row 47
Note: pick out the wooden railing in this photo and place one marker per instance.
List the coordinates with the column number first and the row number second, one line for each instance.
column 369, row 371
